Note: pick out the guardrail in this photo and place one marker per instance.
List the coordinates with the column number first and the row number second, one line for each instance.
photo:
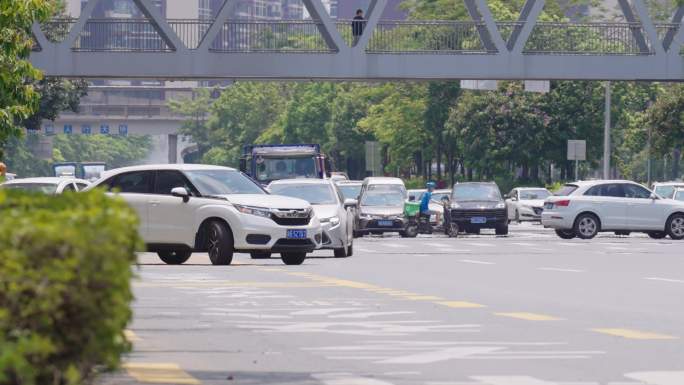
column 389, row 36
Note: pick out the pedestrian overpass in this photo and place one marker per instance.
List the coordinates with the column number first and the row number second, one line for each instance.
column 324, row 49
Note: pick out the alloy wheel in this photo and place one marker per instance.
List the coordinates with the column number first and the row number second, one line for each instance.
column 587, row 226
column 677, row 226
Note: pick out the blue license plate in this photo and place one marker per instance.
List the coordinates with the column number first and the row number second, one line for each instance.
column 385, row 223
column 296, row 234
column 478, row 220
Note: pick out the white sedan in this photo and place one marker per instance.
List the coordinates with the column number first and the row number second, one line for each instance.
column 332, row 209
column 583, row 209
column 49, row 185
column 526, row 203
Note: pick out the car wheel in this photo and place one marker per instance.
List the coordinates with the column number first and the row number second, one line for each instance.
column 501, row 229
column 410, row 232
column 350, row 250
column 293, row 258
column 219, row 243
column 675, row 227
column 566, row 234
column 341, row 252
column 260, row 255
column 453, row 230
column 175, row 257
column 586, row 226
column 657, row 234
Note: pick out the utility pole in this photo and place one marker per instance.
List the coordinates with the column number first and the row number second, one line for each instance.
column 648, row 161
column 606, row 134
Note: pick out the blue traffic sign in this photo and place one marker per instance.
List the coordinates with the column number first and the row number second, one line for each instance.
column 68, row 129
column 104, row 129
column 123, row 129
column 86, row 129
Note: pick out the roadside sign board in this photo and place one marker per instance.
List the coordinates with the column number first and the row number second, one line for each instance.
column 482, row 85
column 577, row 150
column 540, row 86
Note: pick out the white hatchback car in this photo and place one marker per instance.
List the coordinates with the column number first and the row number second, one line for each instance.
column 47, row 185
column 583, row 209
column 185, row 208
column 332, row 209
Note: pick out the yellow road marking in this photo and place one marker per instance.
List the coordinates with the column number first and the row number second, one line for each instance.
column 460, row 304
column 131, row 336
column 159, row 373
column 529, row 316
column 635, row 334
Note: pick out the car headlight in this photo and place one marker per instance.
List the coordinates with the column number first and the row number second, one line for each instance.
column 258, row 211
column 501, row 205
column 366, row 216
column 455, row 205
column 333, row 220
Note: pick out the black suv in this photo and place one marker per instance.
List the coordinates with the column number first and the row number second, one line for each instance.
column 474, row 206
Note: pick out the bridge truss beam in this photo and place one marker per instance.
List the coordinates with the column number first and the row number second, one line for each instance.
column 521, row 55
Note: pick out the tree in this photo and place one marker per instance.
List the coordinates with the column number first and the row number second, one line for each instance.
column 197, row 110
column 18, row 97
column 666, row 118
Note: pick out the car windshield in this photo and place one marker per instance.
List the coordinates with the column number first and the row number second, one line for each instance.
column 276, row 168
column 316, row 194
column 45, row 188
column 476, row 192
column 350, row 191
column 65, row 170
column 534, row 194
column 221, row 182
column 665, row 191
column 384, row 195
column 566, row 190
column 679, row 195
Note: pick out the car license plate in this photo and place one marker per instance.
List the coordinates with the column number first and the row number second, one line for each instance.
column 478, row 220
column 385, row 223
column 296, row 234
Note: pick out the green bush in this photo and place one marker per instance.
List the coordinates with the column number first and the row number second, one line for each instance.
column 65, row 271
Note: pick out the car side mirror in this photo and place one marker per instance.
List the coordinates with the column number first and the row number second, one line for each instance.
column 181, row 192
column 349, row 203
column 654, row 196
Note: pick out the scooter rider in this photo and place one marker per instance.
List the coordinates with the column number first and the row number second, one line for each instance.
column 425, row 205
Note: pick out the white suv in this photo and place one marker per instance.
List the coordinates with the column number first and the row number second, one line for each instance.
column 583, row 209
column 186, row 208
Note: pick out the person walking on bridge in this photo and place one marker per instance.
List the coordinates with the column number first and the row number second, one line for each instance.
column 358, row 25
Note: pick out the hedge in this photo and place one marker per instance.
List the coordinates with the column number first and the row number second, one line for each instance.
column 65, row 271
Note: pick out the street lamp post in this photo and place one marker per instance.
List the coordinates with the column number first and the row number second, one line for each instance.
column 606, row 134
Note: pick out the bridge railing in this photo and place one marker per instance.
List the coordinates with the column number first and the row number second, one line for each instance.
column 390, row 36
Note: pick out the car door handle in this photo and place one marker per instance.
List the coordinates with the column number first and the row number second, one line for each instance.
column 154, row 203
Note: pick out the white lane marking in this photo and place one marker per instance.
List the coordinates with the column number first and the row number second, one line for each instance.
column 523, row 244
column 511, row 380
column 478, row 244
column 347, row 379
column 325, row 311
column 560, row 269
column 409, row 373
column 664, row 280
column 422, row 255
column 440, row 245
column 477, row 262
column 441, row 355
column 370, row 314
column 658, row 378
column 394, row 245
column 567, row 244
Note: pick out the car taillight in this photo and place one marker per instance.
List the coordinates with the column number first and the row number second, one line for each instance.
column 564, row 203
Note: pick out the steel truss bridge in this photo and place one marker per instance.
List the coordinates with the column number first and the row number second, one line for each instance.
column 324, row 49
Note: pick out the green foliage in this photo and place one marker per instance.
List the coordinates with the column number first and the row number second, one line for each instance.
column 18, row 98
column 116, row 151
column 65, row 271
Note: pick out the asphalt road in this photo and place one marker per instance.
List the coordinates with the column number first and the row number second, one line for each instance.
column 527, row 309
